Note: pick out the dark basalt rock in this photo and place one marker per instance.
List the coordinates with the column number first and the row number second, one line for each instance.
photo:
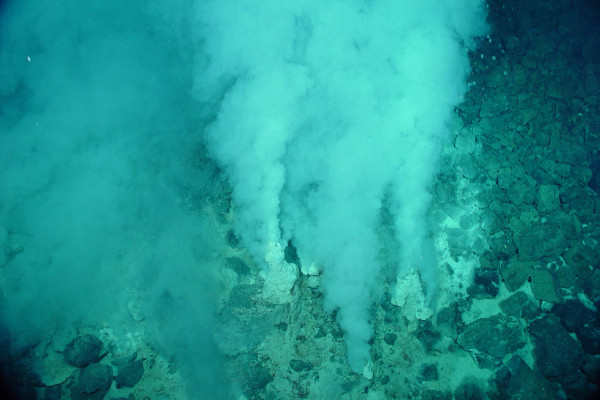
column 130, row 374
column 573, row 314
column 556, row 352
column 516, row 380
column 495, row 336
column 82, row 350
column 94, row 382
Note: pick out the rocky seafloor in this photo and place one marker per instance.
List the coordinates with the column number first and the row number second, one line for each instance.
column 517, row 209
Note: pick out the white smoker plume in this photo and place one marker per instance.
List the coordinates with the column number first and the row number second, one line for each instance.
column 323, row 109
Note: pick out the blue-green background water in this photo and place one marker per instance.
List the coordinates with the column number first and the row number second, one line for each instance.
column 102, row 187
column 431, row 170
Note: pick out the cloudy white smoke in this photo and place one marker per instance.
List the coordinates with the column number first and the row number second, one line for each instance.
column 319, row 112
column 97, row 135
column 323, row 111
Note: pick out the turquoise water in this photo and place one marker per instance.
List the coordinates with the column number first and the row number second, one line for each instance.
column 270, row 200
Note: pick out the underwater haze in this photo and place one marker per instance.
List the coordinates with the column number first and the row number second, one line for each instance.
column 123, row 122
column 99, row 146
column 327, row 113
